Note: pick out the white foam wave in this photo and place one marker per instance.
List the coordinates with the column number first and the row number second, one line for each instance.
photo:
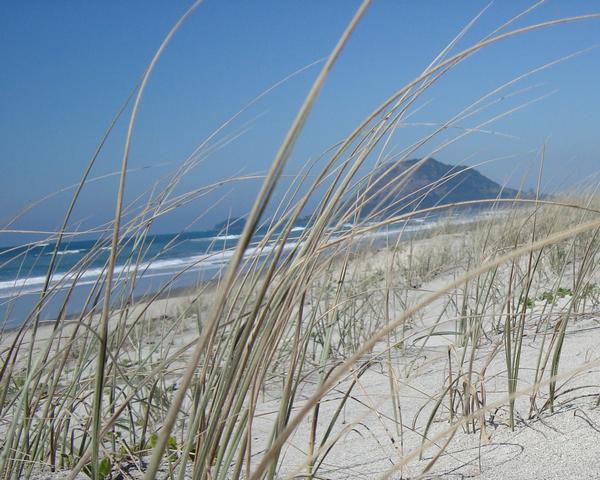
column 206, row 261
column 65, row 280
column 226, row 237
column 67, row 252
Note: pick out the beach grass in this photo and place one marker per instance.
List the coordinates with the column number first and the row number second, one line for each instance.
column 307, row 357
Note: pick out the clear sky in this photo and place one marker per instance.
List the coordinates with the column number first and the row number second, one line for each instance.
column 67, row 66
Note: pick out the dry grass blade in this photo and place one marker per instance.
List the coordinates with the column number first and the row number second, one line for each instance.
column 101, row 361
column 253, row 218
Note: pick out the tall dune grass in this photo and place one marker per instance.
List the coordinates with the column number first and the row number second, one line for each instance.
column 130, row 386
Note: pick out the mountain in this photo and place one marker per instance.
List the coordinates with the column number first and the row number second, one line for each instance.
column 393, row 190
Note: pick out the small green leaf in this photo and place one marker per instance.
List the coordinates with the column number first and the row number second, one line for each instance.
column 104, row 468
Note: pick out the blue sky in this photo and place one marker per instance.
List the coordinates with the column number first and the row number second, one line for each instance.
column 66, row 67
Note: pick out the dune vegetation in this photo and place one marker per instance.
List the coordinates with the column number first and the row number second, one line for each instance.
column 342, row 353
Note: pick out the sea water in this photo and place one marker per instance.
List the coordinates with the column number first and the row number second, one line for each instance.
column 159, row 263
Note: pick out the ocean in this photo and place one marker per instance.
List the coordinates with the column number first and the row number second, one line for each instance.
column 173, row 260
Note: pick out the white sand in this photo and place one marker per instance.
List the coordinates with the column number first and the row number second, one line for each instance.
column 369, row 444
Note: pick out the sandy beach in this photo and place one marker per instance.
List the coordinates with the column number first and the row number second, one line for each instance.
column 425, row 391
